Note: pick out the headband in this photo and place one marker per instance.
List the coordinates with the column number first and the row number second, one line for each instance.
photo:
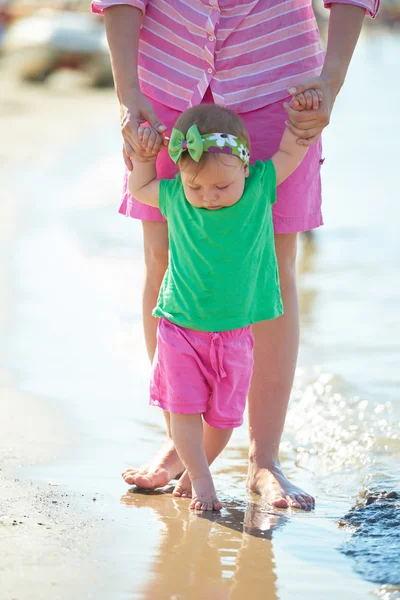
column 196, row 144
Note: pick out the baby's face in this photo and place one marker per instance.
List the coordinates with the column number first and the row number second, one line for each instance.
column 219, row 183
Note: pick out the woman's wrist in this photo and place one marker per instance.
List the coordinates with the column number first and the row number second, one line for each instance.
column 128, row 95
column 333, row 75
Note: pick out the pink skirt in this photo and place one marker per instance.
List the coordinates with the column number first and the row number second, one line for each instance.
column 298, row 206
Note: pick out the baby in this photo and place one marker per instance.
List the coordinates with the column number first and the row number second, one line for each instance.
column 221, row 278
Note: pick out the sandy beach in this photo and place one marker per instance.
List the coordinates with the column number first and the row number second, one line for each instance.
column 47, row 533
column 74, row 375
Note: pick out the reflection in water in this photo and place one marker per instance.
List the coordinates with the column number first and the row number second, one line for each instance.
column 218, row 556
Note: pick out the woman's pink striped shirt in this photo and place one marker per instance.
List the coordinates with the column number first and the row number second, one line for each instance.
column 248, row 52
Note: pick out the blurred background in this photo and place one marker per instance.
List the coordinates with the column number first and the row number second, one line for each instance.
column 74, row 372
column 38, row 40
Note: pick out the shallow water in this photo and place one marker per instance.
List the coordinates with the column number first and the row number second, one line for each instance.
column 351, row 295
column 76, row 274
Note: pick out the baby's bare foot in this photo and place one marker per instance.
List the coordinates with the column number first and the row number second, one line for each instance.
column 204, row 496
column 183, row 488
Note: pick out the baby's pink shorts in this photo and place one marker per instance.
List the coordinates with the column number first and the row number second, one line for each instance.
column 198, row 372
column 298, row 205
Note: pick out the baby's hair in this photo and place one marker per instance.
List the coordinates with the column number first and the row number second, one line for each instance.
column 210, row 118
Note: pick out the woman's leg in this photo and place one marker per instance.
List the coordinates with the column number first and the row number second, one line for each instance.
column 275, row 356
column 165, row 465
column 187, row 433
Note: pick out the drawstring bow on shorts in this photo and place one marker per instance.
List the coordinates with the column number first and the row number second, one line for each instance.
column 217, row 356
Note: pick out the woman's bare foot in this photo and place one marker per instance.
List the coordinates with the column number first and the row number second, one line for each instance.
column 204, row 496
column 158, row 472
column 183, row 488
column 272, row 484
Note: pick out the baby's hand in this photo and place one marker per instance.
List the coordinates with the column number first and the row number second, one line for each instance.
column 152, row 142
column 310, row 99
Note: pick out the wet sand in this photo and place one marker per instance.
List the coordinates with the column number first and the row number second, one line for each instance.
column 48, row 534
column 74, row 396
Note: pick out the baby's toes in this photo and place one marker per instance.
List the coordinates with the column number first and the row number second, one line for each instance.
column 195, row 504
column 212, row 504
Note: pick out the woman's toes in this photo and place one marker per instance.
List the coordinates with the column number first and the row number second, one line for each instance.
column 292, row 501
column 280, row 502
column 129, row 476
column 310, row 502
column 302, row 502
column 129, row 480
column 143, row 481
column 129, row 472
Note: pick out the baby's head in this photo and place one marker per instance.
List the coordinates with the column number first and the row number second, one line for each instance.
column 210, row 145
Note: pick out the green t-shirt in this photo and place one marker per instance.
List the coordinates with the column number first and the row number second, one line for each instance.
column 222, row 272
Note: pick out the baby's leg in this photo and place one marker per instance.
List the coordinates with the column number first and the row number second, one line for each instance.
column 215, row 440
column 187, row 434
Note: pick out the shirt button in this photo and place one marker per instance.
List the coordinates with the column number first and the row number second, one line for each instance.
column 210, row 71
column 211, row 38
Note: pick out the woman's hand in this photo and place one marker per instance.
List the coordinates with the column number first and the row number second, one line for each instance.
column 151, row 143
column 307, row 125
column 133, row 113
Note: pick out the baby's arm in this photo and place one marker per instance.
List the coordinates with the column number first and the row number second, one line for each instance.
column 288, row 157
column 310, row 99
column 142, row 181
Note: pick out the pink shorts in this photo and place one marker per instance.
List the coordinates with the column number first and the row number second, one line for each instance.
column 298, row 206
column 197, row 372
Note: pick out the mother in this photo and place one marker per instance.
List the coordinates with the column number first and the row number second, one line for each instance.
column 250, row 56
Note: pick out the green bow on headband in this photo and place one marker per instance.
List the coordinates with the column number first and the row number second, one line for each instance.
column 192, row 143
column 196, row 144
